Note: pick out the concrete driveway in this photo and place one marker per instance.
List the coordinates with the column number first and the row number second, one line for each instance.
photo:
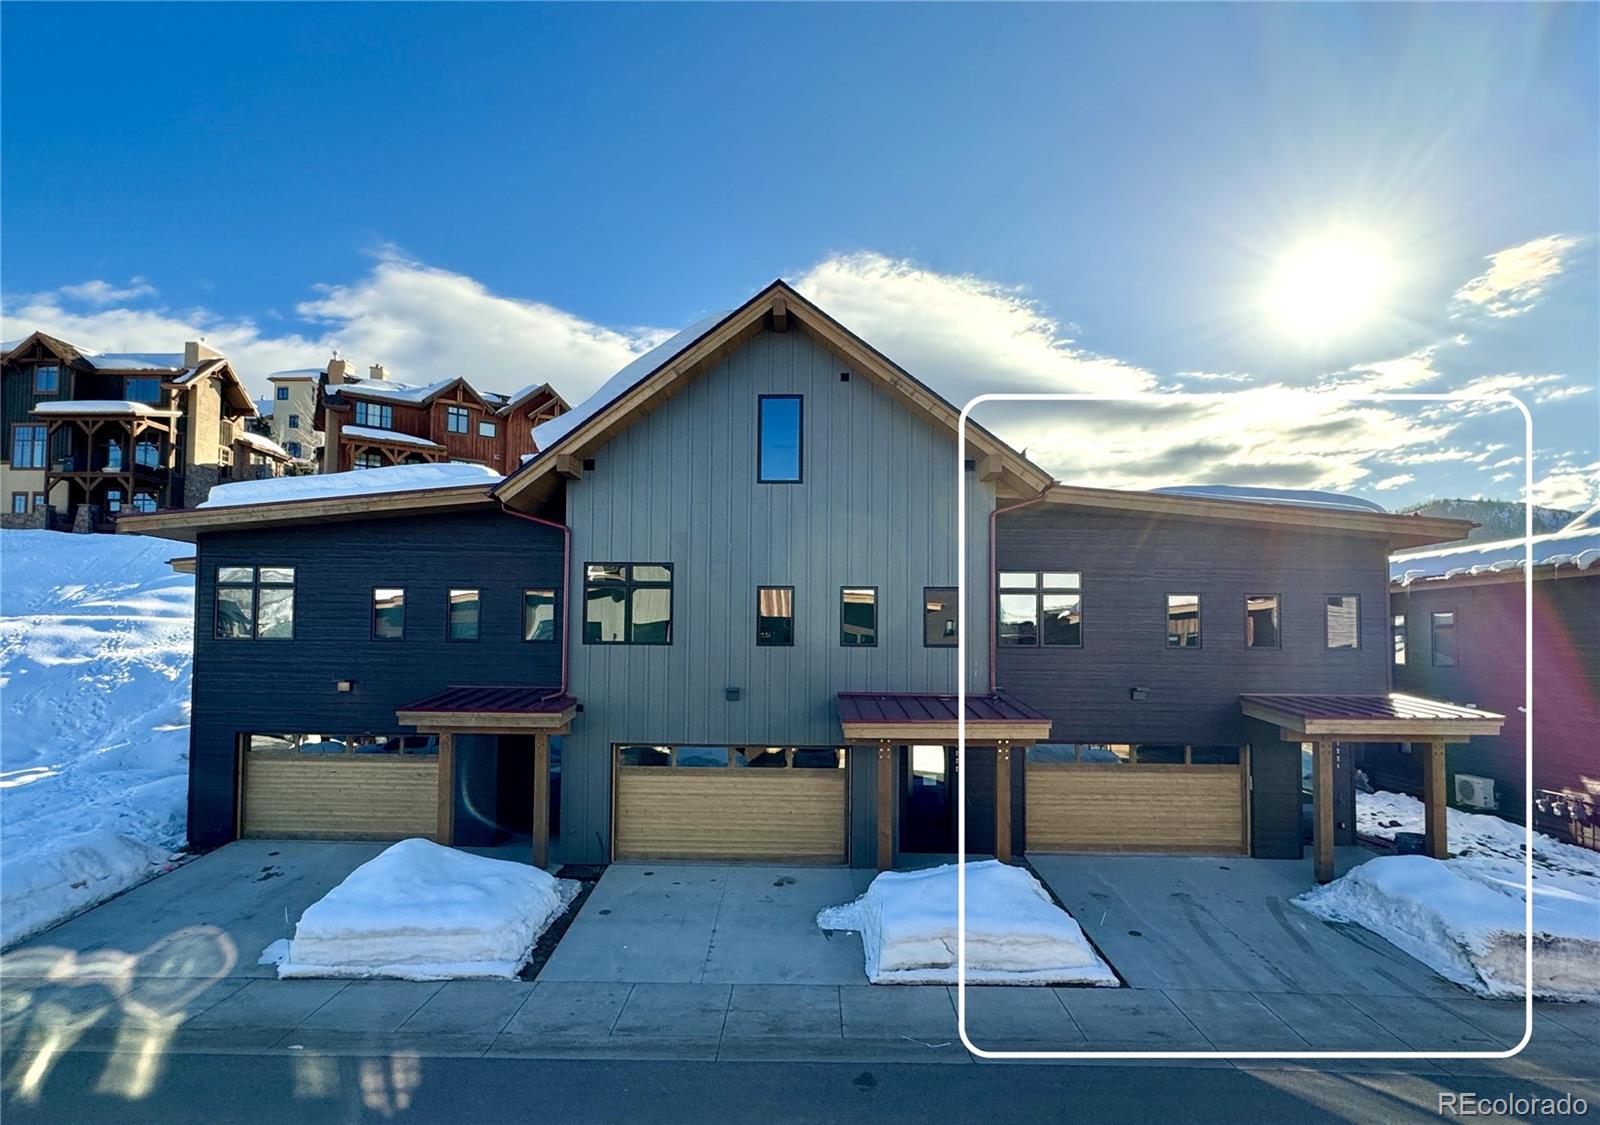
column 711, row 924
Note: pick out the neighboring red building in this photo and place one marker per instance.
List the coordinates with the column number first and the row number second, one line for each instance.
column 373, row 422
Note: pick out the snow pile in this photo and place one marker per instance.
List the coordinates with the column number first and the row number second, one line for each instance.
column 1015, row 933
column 356, row 482
column 422, row 911
column 95, row 637
column 1464, row 917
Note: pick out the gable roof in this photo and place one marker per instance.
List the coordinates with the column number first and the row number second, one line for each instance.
column 671, row 365
column 513, row 401
column 386, row 390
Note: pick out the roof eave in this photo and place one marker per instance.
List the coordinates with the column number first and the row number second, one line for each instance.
column 185, row 525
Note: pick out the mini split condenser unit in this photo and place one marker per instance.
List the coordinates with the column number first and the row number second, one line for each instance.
column 1474, row 792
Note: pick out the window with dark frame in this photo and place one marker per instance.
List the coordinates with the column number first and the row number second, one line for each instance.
column 376, row 415
column 144, row 501
column 47, row 379
column 858, row 616
column 457, row 419
column 1261, row 624
column 28, row 442
column 487, row 429
column 283, row 394
column 1397, row 630
column 463, row 610
column 627, row 604
column 939, row 617
column 148, row 454
column 774, row 616
column 1443, row 636
column 39, row 501
column 19, row 503
column 1183, row 620
column 779, row 436
column 538, row 615
column 113, row 499
column 388, row 613
column 368, row 459
column 252, row 602
column 294, row 421
column 1343, row 621
column 141, row 389
column 1039, row 608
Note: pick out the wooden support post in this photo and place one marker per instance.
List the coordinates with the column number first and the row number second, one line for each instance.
column 885, row 795
column 1435, row 803
column 445, row 830
column 541, row 800
column 1002, row 801
column 1322, row 809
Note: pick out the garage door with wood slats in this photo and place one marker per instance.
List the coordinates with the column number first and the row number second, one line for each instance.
column 1144, row 808
column 356, row 798
column 758, row 816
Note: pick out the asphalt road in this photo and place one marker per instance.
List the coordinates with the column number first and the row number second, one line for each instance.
column 218, row 1089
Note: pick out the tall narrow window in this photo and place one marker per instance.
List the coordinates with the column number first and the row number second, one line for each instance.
column 774, row 616
column 463, row 607
column 1397, row 630
column 456, row 419
column 1261, row 621
column 1444, row 639
column 28, row 446
column 538, row 615
column 627, row 604
column 1183, row 620
column 778, row 440
column 47, row 379
column 858, row 616
column 388, row 613
column 19, row 503
column 1018, row 617
column 274, row 592
column 939, row 617
column 1344, row 621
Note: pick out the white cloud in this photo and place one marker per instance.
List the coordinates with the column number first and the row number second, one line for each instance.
column 1517, row 277
column 1395, row 481
column 104, row 292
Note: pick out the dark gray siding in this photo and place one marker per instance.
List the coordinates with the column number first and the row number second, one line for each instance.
column 270, row 686
column 1274, row 793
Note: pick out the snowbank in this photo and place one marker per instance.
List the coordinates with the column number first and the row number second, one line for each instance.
column 1464, row 917
column 422, row 911
column 95, row 637
column 356, row 482
column 1015, row 933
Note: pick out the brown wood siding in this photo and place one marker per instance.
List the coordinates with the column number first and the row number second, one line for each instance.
column 376, row 798
column 1135, row 808
column 794, row 816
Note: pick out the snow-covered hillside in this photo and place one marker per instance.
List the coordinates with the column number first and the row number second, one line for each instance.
column 96, row 633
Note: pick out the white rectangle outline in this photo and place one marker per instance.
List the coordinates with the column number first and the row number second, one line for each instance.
column 961, row 734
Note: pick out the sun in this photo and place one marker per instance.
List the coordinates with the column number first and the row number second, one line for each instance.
column 1329, row 286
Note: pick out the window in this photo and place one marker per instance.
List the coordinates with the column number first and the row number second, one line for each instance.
column 774, row 616
column 1344, row 621
column 369, row 459
column 147, row 453
column 487, row 429
column 1397, row 631
column 939, row 616
column 39, row 501
column 1040, row 608
column 462, row 614
column 456, row 419
column 627, row 604
column 1261, row 621
column 113, row 499
column 294, row 421
column 778, row 440
column 47, row 379
column 730, row 757
column 1183, row 620
column 141, row 389
column 294, row 448
column 252, row 602
column 538, row 615
column 858, row 616
column 19, row 503
column 1131, row 754
column 375, row 414
column 113, row 454
column 1444, row 639
column 144, row 501
column 388, row 613
column 28, row 447
column 283, row 396
column 322, row 744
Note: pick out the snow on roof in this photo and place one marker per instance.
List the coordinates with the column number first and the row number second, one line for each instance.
column 356, row 482
column 1577, row 546
column 295, row 373
column 1589, row 519
column 546, row 434
column 372, row 433
column 1296, row 497
column 100, row 406
column 135, row 361
column 264, row 444
column 388, row 389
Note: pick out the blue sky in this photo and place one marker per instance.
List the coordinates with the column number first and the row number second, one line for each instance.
column 1083, row 197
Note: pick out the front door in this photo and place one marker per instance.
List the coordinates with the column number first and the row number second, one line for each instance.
column 928, row 799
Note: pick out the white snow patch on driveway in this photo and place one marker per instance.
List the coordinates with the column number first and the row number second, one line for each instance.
column 1464, row 917
column 422, row 911
column 95, row 637
column 1015, row 933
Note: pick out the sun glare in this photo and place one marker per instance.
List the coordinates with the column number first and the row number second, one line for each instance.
column 1326, row 287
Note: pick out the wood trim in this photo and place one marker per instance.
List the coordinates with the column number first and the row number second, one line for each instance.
column 541, row 800
column 486, row 722
column 1002, row 802
column 445, row 817
column 978, row 731
column 1245, row 784
column 885, row 791
column 1435, row 802
column 1322, row 809
column 186, row 524
column 1374, row 729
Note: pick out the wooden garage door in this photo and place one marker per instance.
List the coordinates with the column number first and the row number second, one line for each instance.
column 1137, row 808
column 743, row 815
column 382, row 797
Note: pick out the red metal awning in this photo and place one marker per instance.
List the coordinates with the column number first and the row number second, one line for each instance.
column 897, row 716
column 1354, row 718
column 464, row 706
